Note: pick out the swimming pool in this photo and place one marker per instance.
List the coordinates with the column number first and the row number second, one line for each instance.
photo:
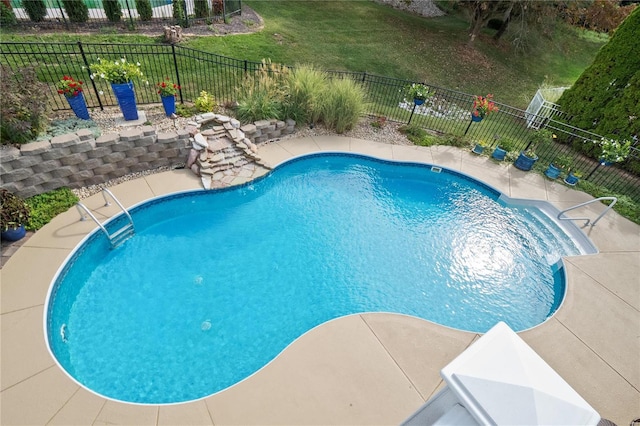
column 215, row 284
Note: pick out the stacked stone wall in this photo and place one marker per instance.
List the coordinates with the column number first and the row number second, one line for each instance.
column 77, row 159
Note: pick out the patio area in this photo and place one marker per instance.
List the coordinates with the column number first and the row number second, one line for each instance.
column 361, row 369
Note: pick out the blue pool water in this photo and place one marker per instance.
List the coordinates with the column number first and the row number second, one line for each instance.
column 216, row 283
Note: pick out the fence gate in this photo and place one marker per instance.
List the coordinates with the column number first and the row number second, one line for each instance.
column 541, row 108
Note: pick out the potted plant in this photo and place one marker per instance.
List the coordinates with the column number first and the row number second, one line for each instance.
column 557, row 166
column 573, row 177
column 168, row 91
column 120, row 74
column 528, row 157
column 72, row 91
column 613, row 151
column 479, row 147
column 15, row 213
column 418, row 92
column 504, row 146
column 482, row 107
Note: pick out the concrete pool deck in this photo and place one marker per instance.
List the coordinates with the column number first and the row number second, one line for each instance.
column 361, row 369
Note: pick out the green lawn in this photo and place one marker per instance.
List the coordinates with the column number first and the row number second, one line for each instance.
column 365, row 36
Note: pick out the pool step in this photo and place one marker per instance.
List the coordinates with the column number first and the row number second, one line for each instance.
column 121, row 235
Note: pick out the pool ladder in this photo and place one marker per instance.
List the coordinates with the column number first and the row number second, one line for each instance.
column 588, row 221
column 119, row 236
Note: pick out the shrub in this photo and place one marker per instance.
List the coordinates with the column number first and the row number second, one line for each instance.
column 205, row 102
column 14, row 212
column 76, row 10
column 304, row 87
column 180, row 13
column 343, row 104
column 262, row 95
column 36, row 9
column 144, row 9
column 22, row 106
column 7, row 16
column 201, row 8
column 112, row 10
column 45, row 207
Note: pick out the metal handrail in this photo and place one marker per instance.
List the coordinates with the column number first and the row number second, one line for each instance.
column 613, row 199
column 79, row 205
column 105, row 191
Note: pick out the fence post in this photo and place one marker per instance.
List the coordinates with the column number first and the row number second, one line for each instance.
column 364, row 76
column 93, row 83
column 133, row 26
column 246, row 66
column 175, row 64
column 66, row 24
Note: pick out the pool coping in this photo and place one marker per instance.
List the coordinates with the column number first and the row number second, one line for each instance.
column 361, row 369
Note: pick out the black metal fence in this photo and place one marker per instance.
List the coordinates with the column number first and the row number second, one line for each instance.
column 446, row 112
column 131, row 13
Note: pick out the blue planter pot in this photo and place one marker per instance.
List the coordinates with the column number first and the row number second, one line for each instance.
column 126, row 100
column 552, row 172
column 79, row 106
column 478, row 149
column 418, row 101
column 499, row 154
column 169, row 104
column 14, row 234
column 605, row 163
column 476, row 118
column 571, row 179
column 524, row 162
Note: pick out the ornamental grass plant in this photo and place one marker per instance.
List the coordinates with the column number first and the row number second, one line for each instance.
column 262, row 95
column 343, row 103
column 304, row 86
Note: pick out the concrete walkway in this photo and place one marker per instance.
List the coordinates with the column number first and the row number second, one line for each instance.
column 361, row 369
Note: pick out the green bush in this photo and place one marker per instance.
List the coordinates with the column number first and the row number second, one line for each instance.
column 144, row 9
column 112, row 10
column 205, row 102
column 76, row 10
column 201, row 8
column 343, row 103
column 36, row 9
column 45, row 207
column 7, row 16
column 304, row 87
column 22, row 106
column 262, row 95
column 180, row 13
column 414, row 133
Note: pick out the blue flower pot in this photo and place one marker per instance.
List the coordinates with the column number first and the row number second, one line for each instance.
column 13, row 234
column 79, row 106
column 524, row 162
column 552, row 172
column 478, row 149
column 126, row 100
column 476, row 118
column 571, row 179
column 605, row 163
column 169, row 104
column 499, row 154
column 418, row 101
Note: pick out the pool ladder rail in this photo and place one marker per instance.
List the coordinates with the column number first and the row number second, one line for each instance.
column 119, row 236
column 588, row 220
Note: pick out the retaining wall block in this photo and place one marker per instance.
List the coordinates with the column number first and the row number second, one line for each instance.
column 107, row 140
column 262, row 124
column 127, row 162
column 46, row 166
column 148, row 130
column 24, row 162
column 145, row 141
column 35, row 148
column 114, row 157
column 167, row 137
column 53, row 184
column 62, row 172
column 9, row 153
column 156, row 147
column 81, row 176
column 122, row 146
column 131, row 134
column 56, row 153
column 14, row 187
column 170, row 153
column 65, row 140
column 72, row 159
column 83, row 146
column 16, row 175
column 104, row 169
column 92, row 163
column 280, row 124
column 140, row 167
column 136, row 152
column 36, row 179
column 85, row 134
column 159, row 163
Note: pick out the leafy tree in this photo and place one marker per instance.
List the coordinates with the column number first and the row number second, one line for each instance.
column 112, row 10
column 36, row 9
column 201, row 8
column 180, row 12
column 76, row 10
column 606, row 97
column 7, row 16
column 144, row 9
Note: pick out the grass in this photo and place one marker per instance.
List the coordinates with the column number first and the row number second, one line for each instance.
column 366, row 36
